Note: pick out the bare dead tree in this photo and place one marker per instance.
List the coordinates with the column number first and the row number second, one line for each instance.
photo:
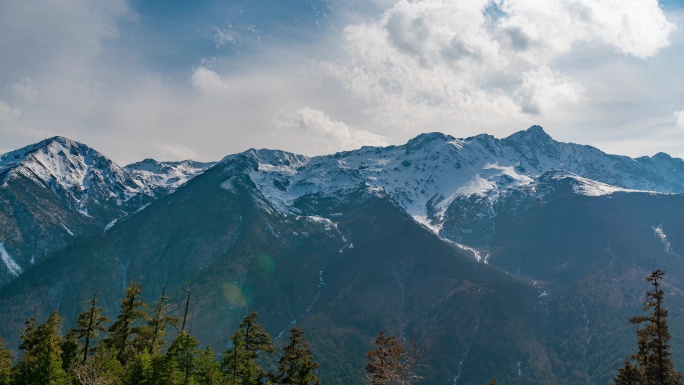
column 392, row 361
column 91, row 373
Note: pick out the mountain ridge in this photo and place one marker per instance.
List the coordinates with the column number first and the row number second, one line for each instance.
column 510, row 257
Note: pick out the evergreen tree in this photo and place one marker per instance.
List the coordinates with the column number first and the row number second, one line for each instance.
column 41, row 363
column 151, row 337
column 208, row 369
column 132, row 312
column 248, row 341
column 70, row 350
column 392, row 362
column 628, row 375
column 88, row 325
column 296, row 366
column 6, row 364
column 140, row 371
column 653, row 363
column 183, row 359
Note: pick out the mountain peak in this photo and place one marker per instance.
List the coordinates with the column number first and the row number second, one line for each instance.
column 60, row 139
column 16, row 157
column 81, row 175
column 534, row 133
column 425, row 139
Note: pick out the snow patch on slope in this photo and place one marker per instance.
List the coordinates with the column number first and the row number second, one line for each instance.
column 329, row 225
column 166, row 177
column 11, row 265
column 68, row 230
column 658, row 230
column 111, row 224
column 588, row 187
column 477, row 254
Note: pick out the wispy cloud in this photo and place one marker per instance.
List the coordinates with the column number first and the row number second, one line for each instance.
column 226, row 35
column 323, row 133
column 209, row 81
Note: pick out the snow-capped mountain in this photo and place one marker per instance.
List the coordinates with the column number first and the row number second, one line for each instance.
column 533, row 262
column 430, row 172
column 164, row 177
column 79, row 174
column 56, row 190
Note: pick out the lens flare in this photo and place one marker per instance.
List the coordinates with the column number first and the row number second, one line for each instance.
column 266, row 262
column 234, row 295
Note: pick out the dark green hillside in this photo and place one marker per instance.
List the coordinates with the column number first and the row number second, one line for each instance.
column 590, row 254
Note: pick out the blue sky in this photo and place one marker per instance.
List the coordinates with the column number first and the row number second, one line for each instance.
column 173, row 79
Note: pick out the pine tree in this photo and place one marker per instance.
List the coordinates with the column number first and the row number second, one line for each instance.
column 70, row 350
column 248, row 341
column 653, row 363
column 132, row 312
column 41, row 362
column 140, row 370
column 183, row 359
column 6, row 364
column 88, row 325
column 297, row 366
column 208, row 369
column 151, row 337
column 628, row 375
column 392, row 362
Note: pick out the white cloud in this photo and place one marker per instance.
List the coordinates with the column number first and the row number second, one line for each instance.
column 26, row 89
column 680, row 118
column 432, row 62
column 551, row 28
column 209, row 82
column 226, row 35
column 322, row 133
column 545, row 91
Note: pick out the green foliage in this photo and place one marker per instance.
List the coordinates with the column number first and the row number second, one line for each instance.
column 296, row 366
column 49, row 359
column 70, row 350
column 653, row 365
column 239, row 362
column 183, row 359
column 133, row 311
column 6, row 363
column 208, row 369
column 151, row 336
column 88, row 325
column 628, row 374
column 140, row 371
column 42, row 361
